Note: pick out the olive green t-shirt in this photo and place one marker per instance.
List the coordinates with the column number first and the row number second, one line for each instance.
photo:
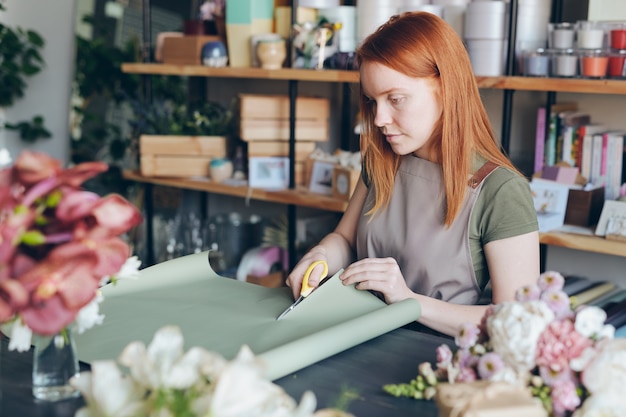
column 504, row 208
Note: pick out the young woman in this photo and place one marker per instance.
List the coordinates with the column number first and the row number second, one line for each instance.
column 440, row 211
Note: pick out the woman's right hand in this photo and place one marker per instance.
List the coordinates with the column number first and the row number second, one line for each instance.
column 294, row 279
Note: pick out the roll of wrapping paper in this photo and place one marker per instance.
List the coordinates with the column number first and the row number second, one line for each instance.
column 222, row 314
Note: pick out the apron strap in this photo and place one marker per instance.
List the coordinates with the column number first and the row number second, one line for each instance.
column 481, row 174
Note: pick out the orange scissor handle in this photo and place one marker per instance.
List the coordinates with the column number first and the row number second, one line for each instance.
column 306, row 289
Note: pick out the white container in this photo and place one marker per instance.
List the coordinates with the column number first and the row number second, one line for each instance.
column 485, row 20
column 369, row 18
column 454, row 14
column 318, row 4
column 561, row 35
column 589, row 35
column 430, row 8
column 487, row 56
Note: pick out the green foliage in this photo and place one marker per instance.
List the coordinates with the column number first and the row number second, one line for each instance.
column 30, row 131
column 20, row 59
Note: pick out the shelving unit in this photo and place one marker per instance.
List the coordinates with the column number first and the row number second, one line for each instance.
column 303, row 198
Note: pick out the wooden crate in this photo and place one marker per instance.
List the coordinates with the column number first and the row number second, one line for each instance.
column 185, row 50
column 266, row 117
column 179, row 156
column 280, row 148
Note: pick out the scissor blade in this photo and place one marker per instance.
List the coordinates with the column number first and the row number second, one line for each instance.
column 291, row 307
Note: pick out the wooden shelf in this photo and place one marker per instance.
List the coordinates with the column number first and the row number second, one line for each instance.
column 299, row 197
column 257, row 73
column 584, row 243
column 563, row 85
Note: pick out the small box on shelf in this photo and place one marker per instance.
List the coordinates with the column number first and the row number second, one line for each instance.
column 179, row 156
column 185, row 50
column 266, row 117
column 584, row 207
column 344, row 182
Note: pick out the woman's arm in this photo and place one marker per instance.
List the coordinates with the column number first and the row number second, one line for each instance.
column 336, row 248
column 513, row 262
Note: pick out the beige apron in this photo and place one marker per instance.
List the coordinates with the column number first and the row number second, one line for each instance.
column 434, row 260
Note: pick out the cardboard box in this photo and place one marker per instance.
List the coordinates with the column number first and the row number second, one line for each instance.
column 584, row 207
column 185, row 50
column 179, row 156
column 266, row 117
column 344, row 182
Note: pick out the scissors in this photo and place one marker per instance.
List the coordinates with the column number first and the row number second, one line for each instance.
column 306, row 289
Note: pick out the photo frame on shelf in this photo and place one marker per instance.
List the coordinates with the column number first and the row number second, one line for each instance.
column 322, row 177
column 612, row 222
column 270, row 172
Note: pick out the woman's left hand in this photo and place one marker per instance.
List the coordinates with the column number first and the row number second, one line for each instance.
column 378, row 274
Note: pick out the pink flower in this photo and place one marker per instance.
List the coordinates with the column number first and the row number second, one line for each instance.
column 57, row 241
column 559, row 303
column 489, row 365
column 466, row 375
column 564, row 398
column 528, row 293
column 551, row 280
column 558, row 344
column 444, row 356
column 467, row 336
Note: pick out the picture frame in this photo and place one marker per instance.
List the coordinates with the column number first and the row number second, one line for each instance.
column 322, row 177
column 271, row 172
column 612, row 222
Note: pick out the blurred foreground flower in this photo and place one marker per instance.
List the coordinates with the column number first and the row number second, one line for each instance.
column 164, row 380
column 57, row 243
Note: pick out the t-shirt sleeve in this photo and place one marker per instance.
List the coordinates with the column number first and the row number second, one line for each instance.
column 507, row 207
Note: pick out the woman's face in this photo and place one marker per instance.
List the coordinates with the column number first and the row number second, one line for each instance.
column 405, row 109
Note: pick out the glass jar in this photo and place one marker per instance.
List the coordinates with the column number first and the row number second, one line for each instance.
column 589, row 35
column 537, row 63
column 564, row 63
column 594, row 63
column 617, row 61
column 561, row 35
column 617, row 35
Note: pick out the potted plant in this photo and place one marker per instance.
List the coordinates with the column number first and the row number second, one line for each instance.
column 20, row 59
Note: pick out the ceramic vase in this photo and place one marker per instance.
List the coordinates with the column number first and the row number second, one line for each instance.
column 271, row 53
column 54, row 363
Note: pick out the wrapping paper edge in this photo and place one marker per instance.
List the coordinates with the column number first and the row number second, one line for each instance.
column 306, row 351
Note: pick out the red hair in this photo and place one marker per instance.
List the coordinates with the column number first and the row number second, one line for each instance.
column 422, row 45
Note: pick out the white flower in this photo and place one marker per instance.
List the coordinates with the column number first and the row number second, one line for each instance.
column 514, row 329
column 130, row 270
column 89, row 315
column 590, row 323
column 5, row 157
column 163, row 364
column 241, row 388
column 107, row 392
column 603, row 405
column 21, row 335
column 606, row 373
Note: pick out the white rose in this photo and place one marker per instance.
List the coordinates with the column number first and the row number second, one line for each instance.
column 602, row 405
column 514, row 329
column 590, row 322
column 606, row 373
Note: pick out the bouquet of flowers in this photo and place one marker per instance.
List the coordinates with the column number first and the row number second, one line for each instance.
column 164, row 380
column 566, row 357
column 58, row 244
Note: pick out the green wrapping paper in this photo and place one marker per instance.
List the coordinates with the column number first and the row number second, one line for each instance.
column 222, row 314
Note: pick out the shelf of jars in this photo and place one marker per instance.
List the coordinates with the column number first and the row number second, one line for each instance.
column 587, row 243
column 564, row 85
column 299, row 196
